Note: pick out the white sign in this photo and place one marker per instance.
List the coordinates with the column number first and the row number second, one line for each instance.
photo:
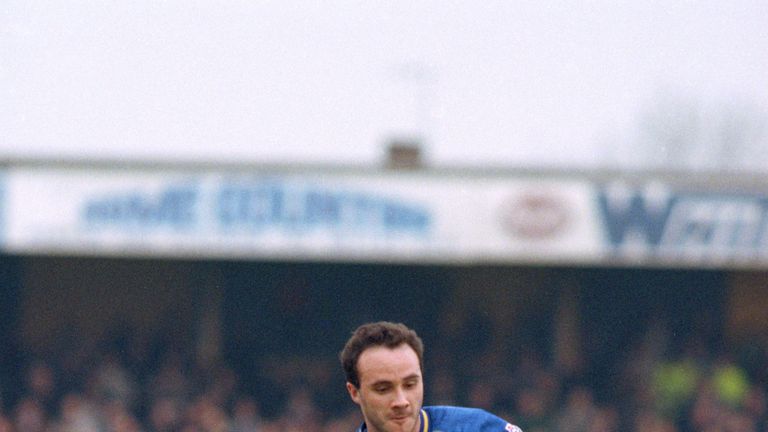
column 370, row 217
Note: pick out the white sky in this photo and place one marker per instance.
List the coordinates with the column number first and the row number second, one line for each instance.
column 560, row 82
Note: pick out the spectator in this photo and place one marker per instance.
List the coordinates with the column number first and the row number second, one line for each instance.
column 165, row 415
column 5, row 424
column 579, row 412
column 245, row 415
column 532, row 415
column 112, row 382
column 30, row 416
column 41, row 383
column 301, row 412
column 207, row 415
column 604, row 420
column 170, row 380
column 119, row 419
column 77, row 415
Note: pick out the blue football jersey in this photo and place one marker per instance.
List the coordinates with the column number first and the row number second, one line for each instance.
column 459, row 419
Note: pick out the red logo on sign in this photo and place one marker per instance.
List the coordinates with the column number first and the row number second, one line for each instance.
column 535, row 216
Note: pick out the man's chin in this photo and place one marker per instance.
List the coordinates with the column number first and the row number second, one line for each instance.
column 404, row 424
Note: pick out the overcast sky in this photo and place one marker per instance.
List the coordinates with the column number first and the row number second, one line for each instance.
column 560, row 82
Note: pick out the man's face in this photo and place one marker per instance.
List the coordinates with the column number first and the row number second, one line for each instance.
column 391, row 389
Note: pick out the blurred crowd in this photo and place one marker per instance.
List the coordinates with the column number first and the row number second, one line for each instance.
column 110, row 397
column 648, row 389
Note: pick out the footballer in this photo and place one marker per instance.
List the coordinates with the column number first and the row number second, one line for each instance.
column 383, row 364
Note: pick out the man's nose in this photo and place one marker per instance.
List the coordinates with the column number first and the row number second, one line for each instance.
column 401, row 401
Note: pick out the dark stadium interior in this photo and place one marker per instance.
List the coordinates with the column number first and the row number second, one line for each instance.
column 525, row 341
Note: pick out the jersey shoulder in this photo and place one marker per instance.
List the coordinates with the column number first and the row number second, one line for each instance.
column 463, row 419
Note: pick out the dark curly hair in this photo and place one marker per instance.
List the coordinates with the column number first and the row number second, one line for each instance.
column 380, row 333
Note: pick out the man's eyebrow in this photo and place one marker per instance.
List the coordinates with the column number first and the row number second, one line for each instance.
column 387, row 382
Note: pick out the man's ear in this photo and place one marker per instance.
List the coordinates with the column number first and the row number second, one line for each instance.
column 354, row 392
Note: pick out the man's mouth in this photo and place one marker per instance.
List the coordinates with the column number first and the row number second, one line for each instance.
column 400, row 418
